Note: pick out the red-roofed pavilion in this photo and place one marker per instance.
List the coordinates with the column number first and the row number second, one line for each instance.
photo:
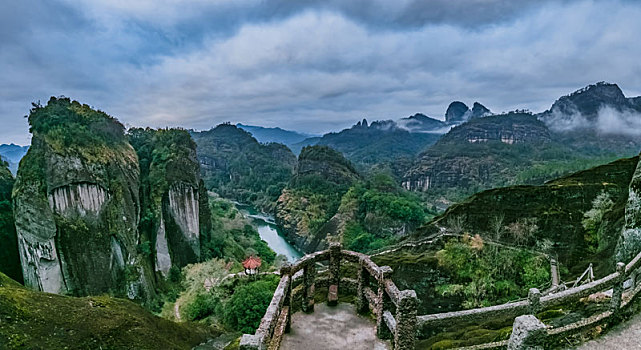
column 252, row 265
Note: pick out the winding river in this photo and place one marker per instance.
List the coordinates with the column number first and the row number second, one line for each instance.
column 268, row 231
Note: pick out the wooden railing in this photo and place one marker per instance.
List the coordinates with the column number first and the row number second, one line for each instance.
column 395, row 310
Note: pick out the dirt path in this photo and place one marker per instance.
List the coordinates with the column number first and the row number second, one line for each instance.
column 626, row 335
column 177, row 311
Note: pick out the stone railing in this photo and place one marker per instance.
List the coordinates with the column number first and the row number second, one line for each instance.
column 622, row 282
column 395, row 310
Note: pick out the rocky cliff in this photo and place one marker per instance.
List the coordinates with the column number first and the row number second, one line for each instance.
column 9, row 257
column 470, row 155
column 554, row 212
column 95, row 214
column 171, row 191
column 76, row 205
column 313, row 196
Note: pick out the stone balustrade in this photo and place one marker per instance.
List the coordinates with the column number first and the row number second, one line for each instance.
column 395, row 309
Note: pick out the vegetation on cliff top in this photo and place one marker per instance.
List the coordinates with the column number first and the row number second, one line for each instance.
column 558, row 210
column 328, row 197
column 381, row 212
column 238, row 167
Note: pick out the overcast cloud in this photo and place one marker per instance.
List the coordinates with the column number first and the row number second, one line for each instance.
column 312, row 66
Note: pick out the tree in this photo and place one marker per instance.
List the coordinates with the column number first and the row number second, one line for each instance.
column 247, row 306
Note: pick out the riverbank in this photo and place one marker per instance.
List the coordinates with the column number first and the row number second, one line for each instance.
column 269, row 232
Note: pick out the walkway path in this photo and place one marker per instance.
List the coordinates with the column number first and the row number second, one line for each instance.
column 626, row 335
column 332, row 328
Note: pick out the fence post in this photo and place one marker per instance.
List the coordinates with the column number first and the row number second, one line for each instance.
column 617, row 290
column 554, row 271
column 285, row 271
column 405, row 335
column 334, row 273
column 362, row 305
column 534, row 301
column 382, row 300
column 252, row 342
column 309, row 277
column 527, row 333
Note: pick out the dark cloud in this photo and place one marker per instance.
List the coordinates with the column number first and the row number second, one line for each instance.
column 311, row 65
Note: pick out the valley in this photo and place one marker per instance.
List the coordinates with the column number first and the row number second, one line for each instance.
column 467, row 211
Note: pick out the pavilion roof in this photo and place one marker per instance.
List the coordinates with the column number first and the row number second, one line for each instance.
column 253, row 262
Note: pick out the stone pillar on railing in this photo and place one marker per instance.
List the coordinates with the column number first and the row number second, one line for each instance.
column 362, row 305
column 382, row 303
column 334, row 273
column 309, row 277
column 554, row 272
column 528, row 333
column 252, row 342
column 633, row 279
column 534, row 301
column 617, row 290
column 405, row 335
column 286, row 270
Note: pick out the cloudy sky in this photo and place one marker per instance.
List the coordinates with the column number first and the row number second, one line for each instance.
column 313, row 66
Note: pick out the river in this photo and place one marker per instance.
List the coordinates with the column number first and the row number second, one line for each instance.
column 269, row 232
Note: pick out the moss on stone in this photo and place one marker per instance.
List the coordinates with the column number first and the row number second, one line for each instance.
column 36, row 320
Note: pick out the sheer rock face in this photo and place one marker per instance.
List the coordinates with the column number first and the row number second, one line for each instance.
column 178, row 235
column 77, row 222
column 455, row 160
column 630, row 242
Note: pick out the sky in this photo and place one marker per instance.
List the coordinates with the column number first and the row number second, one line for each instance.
column 311, row 66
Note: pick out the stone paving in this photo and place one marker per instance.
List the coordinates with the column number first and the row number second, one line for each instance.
column 332, row 328
column 626, row 335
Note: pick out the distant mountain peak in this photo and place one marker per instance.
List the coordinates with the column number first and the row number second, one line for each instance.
column 458, row 112
column 478, row 111
column 588, row 100
column 274, row 134
column 455, row 113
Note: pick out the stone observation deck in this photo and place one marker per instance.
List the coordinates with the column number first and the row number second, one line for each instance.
column 395, row 311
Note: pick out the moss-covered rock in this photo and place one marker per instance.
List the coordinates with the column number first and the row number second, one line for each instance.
column 76, row 204
column 313, row 196
column 36, row 320
column 9, row 257
column 171, row 191
column 555, row 210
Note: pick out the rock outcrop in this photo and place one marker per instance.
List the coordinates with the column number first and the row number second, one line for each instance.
column 456, row 112
column 95, row 214
column 76, row 205
column 469, row 155
column 171, row 191
column 312, row 198
column 557, row 209
column 9, row 257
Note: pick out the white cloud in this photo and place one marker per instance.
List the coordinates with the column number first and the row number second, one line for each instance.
column 316, row 70
column 612, row 121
